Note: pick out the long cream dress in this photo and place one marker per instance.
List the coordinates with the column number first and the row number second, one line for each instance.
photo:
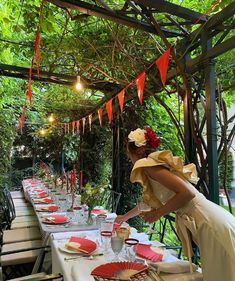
column 212, row 227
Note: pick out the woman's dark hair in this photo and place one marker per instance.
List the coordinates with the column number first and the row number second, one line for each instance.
column 143, row 152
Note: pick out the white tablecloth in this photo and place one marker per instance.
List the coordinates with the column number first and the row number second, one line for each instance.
column 80, row 269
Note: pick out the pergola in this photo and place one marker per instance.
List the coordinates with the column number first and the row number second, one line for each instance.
column 198, row 74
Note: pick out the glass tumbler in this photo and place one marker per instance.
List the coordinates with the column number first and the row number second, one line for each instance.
column 130, row 248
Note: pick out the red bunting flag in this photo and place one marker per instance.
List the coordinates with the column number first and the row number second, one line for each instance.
column 73, row 126
column 90, row 120
column 162, row 64
column 29, row 88
column 22, row 117
column 121, row 99
column 109, row 110
column 100, row 111
column 37, row 40
column 83, row 124
column 78, row 126
column 140, row 80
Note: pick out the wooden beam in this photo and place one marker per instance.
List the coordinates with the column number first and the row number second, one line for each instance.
column 63, row 79
column 173, row 9
column 115, row 16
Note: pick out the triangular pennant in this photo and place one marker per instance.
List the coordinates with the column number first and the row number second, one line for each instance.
column 73, row 126
column 90, row 120
column 83, row 124
column 78, row 126
column 140, row 85
column 29, row 87
column 162, row 64
column 37, row 40
column 121, row 99
column 109, row 110
column 100, row 111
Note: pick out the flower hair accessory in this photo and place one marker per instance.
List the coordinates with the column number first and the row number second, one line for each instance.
column 143, row 137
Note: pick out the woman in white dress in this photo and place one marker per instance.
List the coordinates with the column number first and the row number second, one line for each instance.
column 166, row 188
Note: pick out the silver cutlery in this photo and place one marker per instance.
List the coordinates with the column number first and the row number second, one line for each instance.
column 90, row 257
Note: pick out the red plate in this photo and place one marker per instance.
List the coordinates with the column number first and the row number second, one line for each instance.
column 119, row 270
column 56, row 219
column 83, row 245
column 145, row 251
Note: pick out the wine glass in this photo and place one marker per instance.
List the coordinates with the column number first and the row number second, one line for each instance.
column 116, row 245
column 130, row 248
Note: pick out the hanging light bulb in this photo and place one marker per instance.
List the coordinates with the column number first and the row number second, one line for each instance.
column 42, row 132
column 78, row 84
column 51, row 118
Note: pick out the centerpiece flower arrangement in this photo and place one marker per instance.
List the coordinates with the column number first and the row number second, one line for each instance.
column 92, row 195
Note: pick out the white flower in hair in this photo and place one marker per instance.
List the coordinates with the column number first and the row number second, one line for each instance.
column 138, row 137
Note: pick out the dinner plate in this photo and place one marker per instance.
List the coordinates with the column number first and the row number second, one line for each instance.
column 56, row 219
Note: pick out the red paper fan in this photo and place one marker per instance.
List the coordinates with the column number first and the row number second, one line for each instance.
column 121, row 270
column 42, row 195
column 48, row 209
column 44, row 200
column 98, row 212
column 84, row 245
column 145, row 251
column 56, row 219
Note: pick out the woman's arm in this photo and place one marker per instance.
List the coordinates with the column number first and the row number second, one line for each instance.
column 130, row 214
column 183, row 194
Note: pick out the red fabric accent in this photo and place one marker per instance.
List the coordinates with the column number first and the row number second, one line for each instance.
column 78, row 126
column 22, row 117
column 29, row 87
column 90, row 120
column 100, row 111
column 109, row 110
column 73, row 126
column 140, row 85
column 121, row 99
column 162, row 64
column 83, row 124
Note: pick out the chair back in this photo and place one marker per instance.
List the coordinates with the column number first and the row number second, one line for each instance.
column 111, row 200
column 8, row 208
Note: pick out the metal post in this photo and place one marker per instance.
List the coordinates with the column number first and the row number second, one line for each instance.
column 212, row 157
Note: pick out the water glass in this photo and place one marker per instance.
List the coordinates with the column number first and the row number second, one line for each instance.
column 116, row 245
column 130, row 248
column 105, row 240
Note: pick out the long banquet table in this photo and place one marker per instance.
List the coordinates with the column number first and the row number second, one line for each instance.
column 79, row 269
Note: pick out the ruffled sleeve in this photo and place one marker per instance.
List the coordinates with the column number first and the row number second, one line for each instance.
column 164, row 158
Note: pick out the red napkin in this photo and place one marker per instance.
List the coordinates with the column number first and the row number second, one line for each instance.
column 57, row 219
column 47, row 200
column 52, row 208
column 42, row 195
column 98, row 212
column 145, row 251
column 86, row 245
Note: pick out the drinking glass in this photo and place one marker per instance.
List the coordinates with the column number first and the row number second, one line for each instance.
column 116, row 245
column 105, row 240
column 130, row 248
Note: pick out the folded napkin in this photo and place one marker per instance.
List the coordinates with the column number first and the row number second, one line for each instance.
column 56, row 219
column 98, row 212
column 67, row 235
column 46, row 200
column 52, row 215
column 80, row 244
column 179, row 266
column 111, row 217
column 42, row 195
column 48, row 209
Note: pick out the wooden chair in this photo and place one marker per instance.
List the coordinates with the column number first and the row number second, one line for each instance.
column 17, row 258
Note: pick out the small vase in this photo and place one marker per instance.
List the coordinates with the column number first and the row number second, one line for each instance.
column 89, row 218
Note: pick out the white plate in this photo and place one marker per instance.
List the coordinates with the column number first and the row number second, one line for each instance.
column 65, row 250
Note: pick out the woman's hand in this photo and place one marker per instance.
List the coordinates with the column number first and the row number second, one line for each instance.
column 151, row 216
column 120, row 219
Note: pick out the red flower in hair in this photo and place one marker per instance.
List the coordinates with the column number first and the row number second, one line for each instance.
column 151, row 138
